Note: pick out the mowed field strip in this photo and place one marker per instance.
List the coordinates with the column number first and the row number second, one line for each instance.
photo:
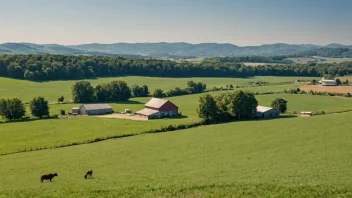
column 292, row 157
column 26, row 90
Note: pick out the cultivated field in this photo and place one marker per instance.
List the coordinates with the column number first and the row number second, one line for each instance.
column 285, row 157
column 336, row 89
column 297, row 157
column 26, row 90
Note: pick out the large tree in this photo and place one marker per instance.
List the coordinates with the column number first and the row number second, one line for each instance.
column 82, row 91
column 39, row 107
column 12, row 109
column 279, row 104
column 243, row 105
column 207, row 108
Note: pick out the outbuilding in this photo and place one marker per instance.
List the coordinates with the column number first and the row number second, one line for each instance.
column 306, row 113
column 96, row 109
column 158, row 108
column 76, row 111
column 266, row 112
column 328, row 82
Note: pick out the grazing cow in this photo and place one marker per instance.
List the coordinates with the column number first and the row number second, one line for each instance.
column 48, row 177
column 89, row 173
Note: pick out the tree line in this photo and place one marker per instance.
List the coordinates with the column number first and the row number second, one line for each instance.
column 14, row 109
column 192, row 88
column 61, row 67
column 117, row 91
column 114, row 91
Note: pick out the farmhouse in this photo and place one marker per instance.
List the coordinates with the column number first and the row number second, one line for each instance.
column 328, row 82
column 266, row 112
column 95, row 109
column 158, row 108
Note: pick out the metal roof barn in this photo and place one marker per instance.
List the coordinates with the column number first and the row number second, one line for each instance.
column 266, row 112
column 96, row 109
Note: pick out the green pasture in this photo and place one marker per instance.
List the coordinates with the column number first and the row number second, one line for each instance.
column 26, row 90
column 54, row 132
column 291, row 157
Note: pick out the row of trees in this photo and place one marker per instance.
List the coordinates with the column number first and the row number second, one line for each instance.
column 14, row 109
column 192, row 87
column 114, row 91
column 58, row 67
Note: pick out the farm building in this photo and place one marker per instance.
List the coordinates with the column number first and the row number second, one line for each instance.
column 76, row 111
column 306, row 113
column 328, row 82
column 95, row 109
column 158, row 108
column 266, row 112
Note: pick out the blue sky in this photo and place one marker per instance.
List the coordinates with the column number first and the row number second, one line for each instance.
column 241, row 22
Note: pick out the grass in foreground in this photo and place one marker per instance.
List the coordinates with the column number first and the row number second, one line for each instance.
column 300, row 157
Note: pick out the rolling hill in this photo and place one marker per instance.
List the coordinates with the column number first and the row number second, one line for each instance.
column 172, row 50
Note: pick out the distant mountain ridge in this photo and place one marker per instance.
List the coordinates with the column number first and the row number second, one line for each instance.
column 164, row 49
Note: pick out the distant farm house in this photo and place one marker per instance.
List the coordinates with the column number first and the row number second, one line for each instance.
column 93, row 109
column 158, row 108
column 266, row 112
column 328, row 82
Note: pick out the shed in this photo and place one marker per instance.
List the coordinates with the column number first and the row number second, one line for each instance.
column 266, row 112
column 328, row 82
column 158, row 108
column 96, row 109
column 306, row 113
column 76, row 110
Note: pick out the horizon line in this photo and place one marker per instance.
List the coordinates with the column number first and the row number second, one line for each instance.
column 323, row 45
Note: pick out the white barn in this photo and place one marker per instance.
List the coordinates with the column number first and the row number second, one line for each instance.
column 328, row 82
column 266, row 112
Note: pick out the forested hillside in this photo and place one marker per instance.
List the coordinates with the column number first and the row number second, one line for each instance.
column 59, row 67
column 174, row 50
column 329, row 52
column 254, row 59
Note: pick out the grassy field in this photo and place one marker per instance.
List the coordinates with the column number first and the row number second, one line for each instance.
column 26, row 90
column 54, row 132
column 312, row 103
column 292, row 157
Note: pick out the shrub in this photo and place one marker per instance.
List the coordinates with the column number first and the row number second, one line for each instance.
column 61, row 99
column 62, row 112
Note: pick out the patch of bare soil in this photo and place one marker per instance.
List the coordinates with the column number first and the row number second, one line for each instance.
column 336, row 89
